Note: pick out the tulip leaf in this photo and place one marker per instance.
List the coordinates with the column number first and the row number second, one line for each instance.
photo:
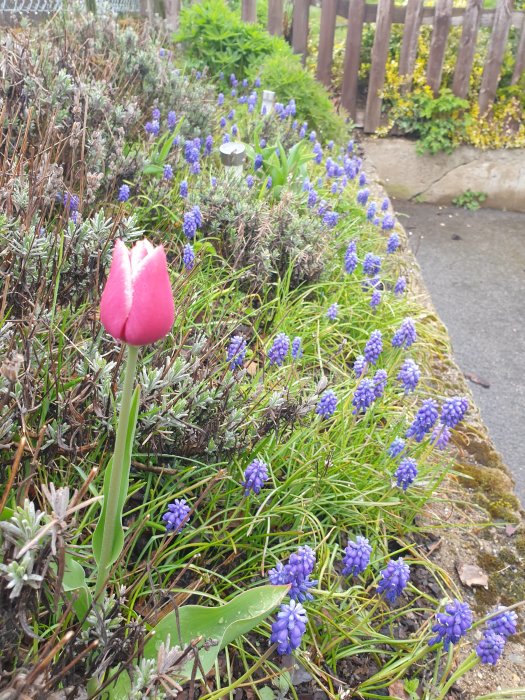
column 221, row 625
column 98, row 535
column 74, row 579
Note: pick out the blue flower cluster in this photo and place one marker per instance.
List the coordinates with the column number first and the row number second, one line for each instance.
column 327, row 404
column 192, row 222
column 177, row 515
column 236, row 352
column 279, row 349
column 357, row 556
column 394, row 579
column 255, row 475
column 452, row 624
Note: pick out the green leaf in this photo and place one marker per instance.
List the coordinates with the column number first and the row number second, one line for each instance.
column 223, row 623
column 74, row 579
column 98, row 535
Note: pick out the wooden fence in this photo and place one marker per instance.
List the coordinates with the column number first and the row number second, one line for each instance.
column 412, row 15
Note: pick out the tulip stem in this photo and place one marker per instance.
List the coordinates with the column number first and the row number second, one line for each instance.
column 117, row 469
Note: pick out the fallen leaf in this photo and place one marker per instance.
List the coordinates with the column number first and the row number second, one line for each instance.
column 472, row 575
column 397, row 690
column 252, row 369
column 477, row 380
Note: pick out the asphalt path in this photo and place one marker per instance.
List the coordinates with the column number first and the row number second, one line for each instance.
column 474, row 267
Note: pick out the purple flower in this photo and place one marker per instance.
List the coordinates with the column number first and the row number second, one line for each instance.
column 280, row 575
column 424, row 420
column 362, row 196
column 168, row 172
column 297, row 350
column 222, row 122
column 392, row 243
column 188, row 257
column 258, row 161
column 197, row 215
column 385, row 204
column 440, row 436
column 289, row 627
column 359, row 366
column 177, row 515
column 401, row 285
column 453, row 411
column 405, row 335
column 312, row 198
column 302, row 562
column 375, row 299
column 279, row 349
column 257, row 82
column 356, row 557
column 183, row 191
column 327, row 404
column 155, row 113
column 331, row 218
column 233, row 80
column 231, row 114
column 262, row 143
column 373, row 347
column 312, row 136
column 152, row 127
column 249, row 181
column 255, row 475
column 235, row 130
column 409, row 375
column 406, row 473
column 364, row 395
column 371, row 211
column 191, row 152
column 269, row 182
column 394, row 579
column 208, row 144
column 504, row 623
column 397, row 446
column 220, row 99
column 388, row 222
column 189, row 225
column 380, row 380
column 213, row 182
column 171, row 120
column 371, row 264
column 123, row 193
column 362, row 180
column 236, row 351
column 71, row 202
column 351, row 258
column 491, row 647
column 332, row 312
column 452, row 624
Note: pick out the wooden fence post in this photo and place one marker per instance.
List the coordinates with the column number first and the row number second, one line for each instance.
column 408, row 53
column 301, row 10
column 146, row 9
column 249, row 11
column 172, row 10
column 326, row 41
column 352, row 60
column 438, row 43
column 467, row 48
column 498, row 40
column 275, row 17
column 378, row 67
column 519, row 66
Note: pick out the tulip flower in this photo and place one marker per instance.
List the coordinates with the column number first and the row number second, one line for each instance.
column 137, row 302
column 137, row 308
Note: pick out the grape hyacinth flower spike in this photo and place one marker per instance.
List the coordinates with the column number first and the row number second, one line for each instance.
column 255, row 475
column 490, row 647
column 505, row 622
column 452, row 624
column 289, row 627
column 332, row 311
column 236, row 352
column 373, row 347
column 327, row 404
column 357, row 556
column 394, row 579
column 279, row 349
column 406, row 473
column 177, row 515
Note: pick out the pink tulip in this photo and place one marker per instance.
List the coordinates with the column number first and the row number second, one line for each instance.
column 137, row 302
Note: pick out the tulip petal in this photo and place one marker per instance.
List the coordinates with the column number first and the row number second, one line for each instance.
column 117, row 296
column 152, row 310
column 139, row 251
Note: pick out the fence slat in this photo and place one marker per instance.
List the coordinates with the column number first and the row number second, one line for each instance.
column 275, row 17
column 378, row 67
column 438, row 43
column 249, row 11
column 408, row 53
column 172, row 10
column 301, row 10
column 356, row 18
column 498, row 40
column 326, row 41
column 467, row 48
column 519, row 66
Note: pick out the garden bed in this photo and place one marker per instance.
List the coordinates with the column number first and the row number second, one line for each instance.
column 282, row 279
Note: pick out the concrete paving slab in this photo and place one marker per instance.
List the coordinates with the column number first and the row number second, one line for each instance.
column 474, row 267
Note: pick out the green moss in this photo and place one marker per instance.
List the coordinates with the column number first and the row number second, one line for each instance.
column 492, row 491
column 519, row 543
column 506, row 584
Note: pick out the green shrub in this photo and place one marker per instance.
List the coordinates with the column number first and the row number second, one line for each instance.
column 214, row 36
column 289, row 80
